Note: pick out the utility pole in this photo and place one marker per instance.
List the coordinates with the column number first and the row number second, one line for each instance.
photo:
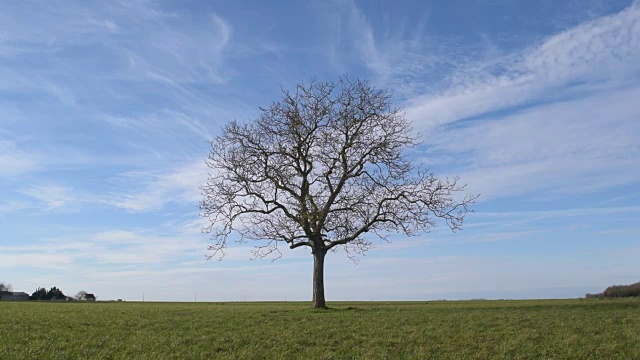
column 143, row 296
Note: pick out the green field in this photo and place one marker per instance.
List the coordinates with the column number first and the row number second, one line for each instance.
column 546, row 329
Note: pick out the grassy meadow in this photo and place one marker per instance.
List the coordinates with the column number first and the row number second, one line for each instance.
column 545, row 329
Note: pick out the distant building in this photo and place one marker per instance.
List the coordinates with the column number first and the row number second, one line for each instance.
column 88, row 297
column 14, row 296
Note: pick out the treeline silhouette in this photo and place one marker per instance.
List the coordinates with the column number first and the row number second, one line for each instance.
column 52, row 294
column 623, row 290
column 616, row 291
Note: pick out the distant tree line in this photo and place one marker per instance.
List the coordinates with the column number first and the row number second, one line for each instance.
column 594, row 296
column 52, row 294
column 616, row 291
column 623, row 290
column 56, row 294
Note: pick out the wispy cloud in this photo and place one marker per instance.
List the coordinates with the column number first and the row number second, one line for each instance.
column 10, row 207
column 167, row 121
column 601, row 49
column 181, row 184
column 571, row 124
column 24, row 259
column 14, row 161
column 112, row 247
column 182, row 46
column 160, row 63
column 53, row 196
column 570, row 147
column 134, row 191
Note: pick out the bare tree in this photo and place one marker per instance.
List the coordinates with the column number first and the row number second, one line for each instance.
column 323, row 168
column 5, row 287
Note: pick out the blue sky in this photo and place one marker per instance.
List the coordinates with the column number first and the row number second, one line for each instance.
column 106, row 108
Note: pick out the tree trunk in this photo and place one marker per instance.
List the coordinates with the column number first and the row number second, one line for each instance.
column 318, row 279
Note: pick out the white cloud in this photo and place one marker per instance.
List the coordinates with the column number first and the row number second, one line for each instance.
column 53, row 196
column 167, row 121
column 43, row 260
column 572, row 121
column 111, row 248
column 363, row 39
column 194, row 56
column 569, row 147
column 182, row 184
column 117, row 237
column 64, row 95
column 142, row 191
column 606, row 48
column 145, row 56
column 14, row 161
column 587, row 212
column 13, row 207
column 351, row 36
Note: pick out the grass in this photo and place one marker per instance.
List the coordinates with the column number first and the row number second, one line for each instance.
column 545, row 329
